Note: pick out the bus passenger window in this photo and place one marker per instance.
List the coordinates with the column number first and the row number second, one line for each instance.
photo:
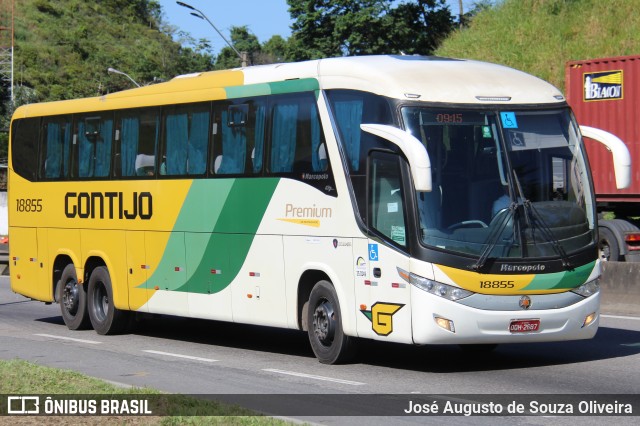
column 95, row 134
column 138, row 140
column 230, row 155
column 296, row 137
column 24, row 147
column 56, row 148
column 239, row 135
column 186, row 139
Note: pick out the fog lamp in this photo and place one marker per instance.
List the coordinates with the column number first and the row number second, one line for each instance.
column 589, row 319
column 445, row 323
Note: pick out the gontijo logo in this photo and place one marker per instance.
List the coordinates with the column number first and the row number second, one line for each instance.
column 381, row 317
column 603, row 85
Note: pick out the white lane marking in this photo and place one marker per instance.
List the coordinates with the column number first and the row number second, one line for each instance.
column 620, row 317
column 91, row 342
column 195, row 358
column 310, row 376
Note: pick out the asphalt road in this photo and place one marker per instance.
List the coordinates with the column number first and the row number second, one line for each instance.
column 205, row 357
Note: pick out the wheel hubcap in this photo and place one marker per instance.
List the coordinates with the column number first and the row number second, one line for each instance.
column 324, row 322
column 605, row 251
column 70, row 297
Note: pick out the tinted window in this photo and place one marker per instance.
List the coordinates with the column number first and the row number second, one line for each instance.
column 95, row 137
column 186, row 139
column 136, row 139
column 239, row 137
column 56, row 147
column 297, row 141
column 24, row 147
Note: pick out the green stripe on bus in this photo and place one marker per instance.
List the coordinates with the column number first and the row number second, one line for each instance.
column 261, row 89
column 275, row 88
column 216, row 226
column 562, row 280
column 290, row 86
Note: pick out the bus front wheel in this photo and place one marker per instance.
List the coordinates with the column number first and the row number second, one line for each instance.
column 105, row 317
column 324, row 319
column 73, row 299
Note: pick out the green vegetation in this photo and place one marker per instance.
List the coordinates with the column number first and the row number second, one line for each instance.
column 21, row 377
column 363, row 27
column 540, row 36
column 63, row 48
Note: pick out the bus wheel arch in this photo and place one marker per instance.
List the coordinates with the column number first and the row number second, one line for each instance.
column 73, row 299
column 104, row 316
column 324, row 320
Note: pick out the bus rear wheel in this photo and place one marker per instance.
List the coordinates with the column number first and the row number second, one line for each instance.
column 73, row 299
column 105, row 317
column 608, row 249
column 324, row 319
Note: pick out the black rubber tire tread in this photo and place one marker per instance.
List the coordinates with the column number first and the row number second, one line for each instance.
column 78, row 320
column 343, row 348
column 606, row 237
column 110, row 320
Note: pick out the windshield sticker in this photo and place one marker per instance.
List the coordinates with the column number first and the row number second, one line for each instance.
column 517, row 140
column 509, row 120
column 397, row 234
column 486, row 132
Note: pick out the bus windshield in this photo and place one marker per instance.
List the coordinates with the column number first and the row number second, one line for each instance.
column 506, row 184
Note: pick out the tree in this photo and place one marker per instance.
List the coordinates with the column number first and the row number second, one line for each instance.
column 419, row 27
column 243, row 41
column 63, row 48
column 325, row 28
column 273, row 51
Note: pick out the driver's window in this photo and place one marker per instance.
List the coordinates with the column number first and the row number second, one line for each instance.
column 386, row 205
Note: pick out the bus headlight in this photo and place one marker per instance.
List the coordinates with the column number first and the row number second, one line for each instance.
column 439, row 289
column 588, row 289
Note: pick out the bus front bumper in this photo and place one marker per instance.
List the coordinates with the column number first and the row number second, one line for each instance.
column 468, row 325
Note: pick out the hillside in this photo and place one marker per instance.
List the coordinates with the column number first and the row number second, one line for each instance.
column 540, row 36
column 64, row 47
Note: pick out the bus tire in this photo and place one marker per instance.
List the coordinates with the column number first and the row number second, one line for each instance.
column 324, row 319
column 73, row 300
column 105, row 317
column 608, row 249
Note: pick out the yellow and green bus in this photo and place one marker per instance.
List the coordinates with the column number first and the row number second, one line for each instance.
column 410, row 199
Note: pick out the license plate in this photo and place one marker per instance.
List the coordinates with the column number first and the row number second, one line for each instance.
column 524, row 326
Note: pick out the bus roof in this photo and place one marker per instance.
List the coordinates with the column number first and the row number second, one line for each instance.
column 421, row 78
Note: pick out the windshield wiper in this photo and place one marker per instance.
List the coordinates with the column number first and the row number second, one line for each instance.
column 548, row 235
column 544, row 228
column 494, row 237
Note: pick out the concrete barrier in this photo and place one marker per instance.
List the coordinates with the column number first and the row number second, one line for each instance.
column 620, row 286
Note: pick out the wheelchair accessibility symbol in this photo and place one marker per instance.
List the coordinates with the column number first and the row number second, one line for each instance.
column 373, row 252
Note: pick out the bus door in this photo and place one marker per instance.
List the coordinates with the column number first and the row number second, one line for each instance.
column 386, row 316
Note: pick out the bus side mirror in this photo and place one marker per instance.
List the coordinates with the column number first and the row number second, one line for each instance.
column 620, row 152
column 412, row 148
